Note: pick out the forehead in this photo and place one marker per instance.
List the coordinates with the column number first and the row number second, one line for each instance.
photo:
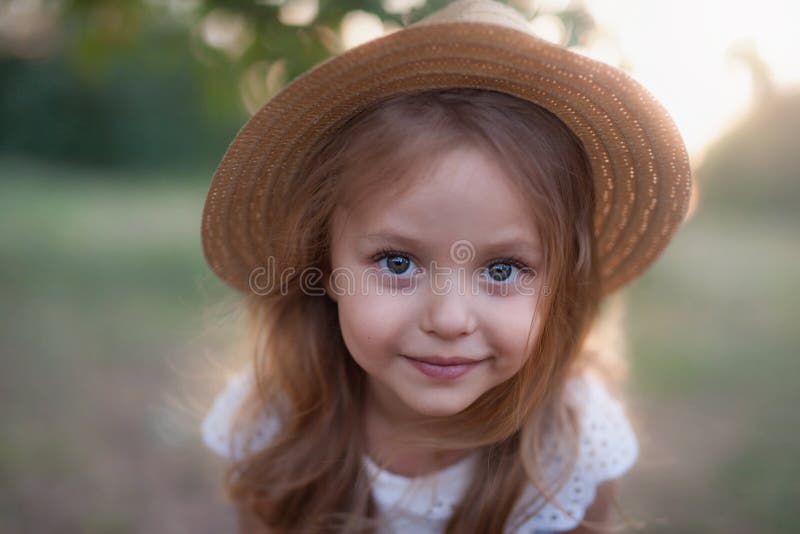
column 465, row 194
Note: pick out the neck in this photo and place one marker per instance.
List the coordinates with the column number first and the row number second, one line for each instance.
column 382, row 419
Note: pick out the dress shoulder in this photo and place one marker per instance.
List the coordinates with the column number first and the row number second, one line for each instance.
column 607, row 448
column 217, row 428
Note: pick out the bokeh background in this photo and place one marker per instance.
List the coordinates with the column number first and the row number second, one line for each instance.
column 114, row 334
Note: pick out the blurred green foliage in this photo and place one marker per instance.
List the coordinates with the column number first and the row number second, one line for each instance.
column 136, row 83
column 115, row 98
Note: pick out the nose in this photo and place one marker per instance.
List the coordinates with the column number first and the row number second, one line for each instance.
column 449, row 311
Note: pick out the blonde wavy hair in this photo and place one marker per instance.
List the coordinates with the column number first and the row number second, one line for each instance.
column 310, row 477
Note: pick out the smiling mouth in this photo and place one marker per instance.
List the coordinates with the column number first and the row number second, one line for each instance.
column 443, row 361
column 449, row 371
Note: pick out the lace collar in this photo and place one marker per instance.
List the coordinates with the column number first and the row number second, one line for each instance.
column 434, row 495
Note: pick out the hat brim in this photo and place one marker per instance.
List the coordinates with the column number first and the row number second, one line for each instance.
column 639, row 161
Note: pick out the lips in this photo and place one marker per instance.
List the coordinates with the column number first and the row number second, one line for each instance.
column 445, row 360
column 454, row 368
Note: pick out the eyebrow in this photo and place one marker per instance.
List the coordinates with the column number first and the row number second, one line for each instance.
column 512, row 245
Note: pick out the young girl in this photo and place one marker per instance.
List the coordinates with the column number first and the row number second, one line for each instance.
column 424, row 229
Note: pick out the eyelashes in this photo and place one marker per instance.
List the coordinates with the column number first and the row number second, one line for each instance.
column 513, row 261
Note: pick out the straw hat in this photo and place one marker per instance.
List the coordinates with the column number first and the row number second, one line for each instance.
column 640, row 166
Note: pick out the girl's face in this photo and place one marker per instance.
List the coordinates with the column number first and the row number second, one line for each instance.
column 456, row 281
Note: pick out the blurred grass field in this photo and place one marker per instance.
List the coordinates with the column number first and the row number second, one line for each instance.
column 106, row 347
column 714, row 346
column 104, row 290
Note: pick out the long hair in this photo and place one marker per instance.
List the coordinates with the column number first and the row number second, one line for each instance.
column 310, row 477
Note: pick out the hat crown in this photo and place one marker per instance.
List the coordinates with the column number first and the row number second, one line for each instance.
column 485, row 11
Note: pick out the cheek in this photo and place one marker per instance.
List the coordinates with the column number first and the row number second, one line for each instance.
column 372, row 325
column 513, row 319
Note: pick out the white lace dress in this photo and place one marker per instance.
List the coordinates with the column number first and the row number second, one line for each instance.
column 421, row 505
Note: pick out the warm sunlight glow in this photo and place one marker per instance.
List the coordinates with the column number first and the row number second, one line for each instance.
column 550, row 28
column 680, row 50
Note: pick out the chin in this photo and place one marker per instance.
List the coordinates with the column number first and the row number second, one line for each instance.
column 438, row 407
